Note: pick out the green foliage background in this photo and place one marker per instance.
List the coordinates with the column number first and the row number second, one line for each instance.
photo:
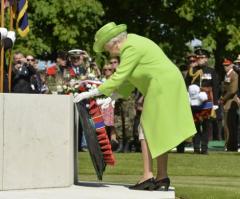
column 60, row 24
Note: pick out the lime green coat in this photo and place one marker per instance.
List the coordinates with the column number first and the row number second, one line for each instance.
column 166, row 117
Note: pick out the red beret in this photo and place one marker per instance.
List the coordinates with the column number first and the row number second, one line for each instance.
column 227, row 62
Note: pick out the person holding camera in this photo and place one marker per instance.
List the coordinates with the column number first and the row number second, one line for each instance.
column 36, row 82
column 22, row 74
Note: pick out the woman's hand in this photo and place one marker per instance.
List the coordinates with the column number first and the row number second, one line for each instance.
column 85, row 95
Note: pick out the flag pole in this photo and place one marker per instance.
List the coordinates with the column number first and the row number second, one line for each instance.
column 10, row 52
column 2, row 48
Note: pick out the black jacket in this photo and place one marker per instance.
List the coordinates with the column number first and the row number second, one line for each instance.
column 208, row 79
column 22, row 79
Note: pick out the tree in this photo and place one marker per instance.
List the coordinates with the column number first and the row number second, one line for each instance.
column 60, row 24
column 172, row 24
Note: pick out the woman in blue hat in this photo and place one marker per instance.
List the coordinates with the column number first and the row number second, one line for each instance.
column 166, row 118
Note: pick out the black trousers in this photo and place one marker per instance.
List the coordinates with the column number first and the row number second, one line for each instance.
column 200, row 139
column 232, row 124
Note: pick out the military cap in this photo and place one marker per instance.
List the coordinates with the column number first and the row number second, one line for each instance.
column 202, row 53
column 227, row 62
column 238, row 59
column 189, row 55
column 75, row 52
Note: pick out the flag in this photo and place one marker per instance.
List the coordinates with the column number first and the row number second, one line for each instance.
column 22, row 18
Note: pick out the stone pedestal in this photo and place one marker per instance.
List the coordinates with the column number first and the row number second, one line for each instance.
column 88, row 191
column 36, row 141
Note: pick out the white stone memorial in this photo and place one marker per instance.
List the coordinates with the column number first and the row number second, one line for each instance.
column 38, row 153
column 36, row 141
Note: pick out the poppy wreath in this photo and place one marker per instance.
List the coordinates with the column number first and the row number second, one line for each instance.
column 96, row 116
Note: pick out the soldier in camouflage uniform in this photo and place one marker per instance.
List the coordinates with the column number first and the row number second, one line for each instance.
column 124, row 117
column 124, row 114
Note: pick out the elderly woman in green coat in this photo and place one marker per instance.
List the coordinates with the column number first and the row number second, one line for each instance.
column 166, row 118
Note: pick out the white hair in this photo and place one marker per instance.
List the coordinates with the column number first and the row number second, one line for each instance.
column 118, row 38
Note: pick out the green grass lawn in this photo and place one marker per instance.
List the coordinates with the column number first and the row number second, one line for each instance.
column 213, row 176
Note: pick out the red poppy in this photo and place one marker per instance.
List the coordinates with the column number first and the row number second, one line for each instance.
column 52, row 70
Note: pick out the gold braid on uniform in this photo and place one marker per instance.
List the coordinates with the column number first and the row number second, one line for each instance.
column 195, row 75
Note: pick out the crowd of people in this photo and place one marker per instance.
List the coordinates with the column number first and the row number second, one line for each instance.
column 61, row 77
column 163, row 114
column 214, row 103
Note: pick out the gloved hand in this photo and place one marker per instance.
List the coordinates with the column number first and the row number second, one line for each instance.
column 104, row 103
column 9, row 40
column 85, row 95
column 3, row 33
column 111, row 100
column 12, row 36
column 215, row 107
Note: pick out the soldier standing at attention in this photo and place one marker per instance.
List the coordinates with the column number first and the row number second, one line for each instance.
column 229, row 100
column 206, row 78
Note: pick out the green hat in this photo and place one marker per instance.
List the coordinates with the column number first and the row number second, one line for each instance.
column 106, row 33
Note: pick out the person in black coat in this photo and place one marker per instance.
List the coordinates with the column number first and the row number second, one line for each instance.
column 22, row 74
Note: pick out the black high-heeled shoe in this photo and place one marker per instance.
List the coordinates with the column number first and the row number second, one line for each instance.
column 163, row 183
column 145, row 185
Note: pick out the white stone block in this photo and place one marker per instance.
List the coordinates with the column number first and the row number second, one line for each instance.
column 1, row 141
column 88, row 191
column 38, row 141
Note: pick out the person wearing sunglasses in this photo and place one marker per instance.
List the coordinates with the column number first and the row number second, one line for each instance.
column 31, row 60
column 166, row 118
column 114, row 62
column 107, row 71
column 23, row 73
column 36, row 81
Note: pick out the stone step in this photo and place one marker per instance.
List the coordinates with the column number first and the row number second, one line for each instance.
column 88, row 190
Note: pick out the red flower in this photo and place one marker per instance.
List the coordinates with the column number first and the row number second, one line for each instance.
column 52, row 70
column 72, row 73
column 82, row 88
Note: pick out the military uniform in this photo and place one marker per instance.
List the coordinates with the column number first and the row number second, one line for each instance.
column 124, row 117
column 206, row 78
column 230, row 107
